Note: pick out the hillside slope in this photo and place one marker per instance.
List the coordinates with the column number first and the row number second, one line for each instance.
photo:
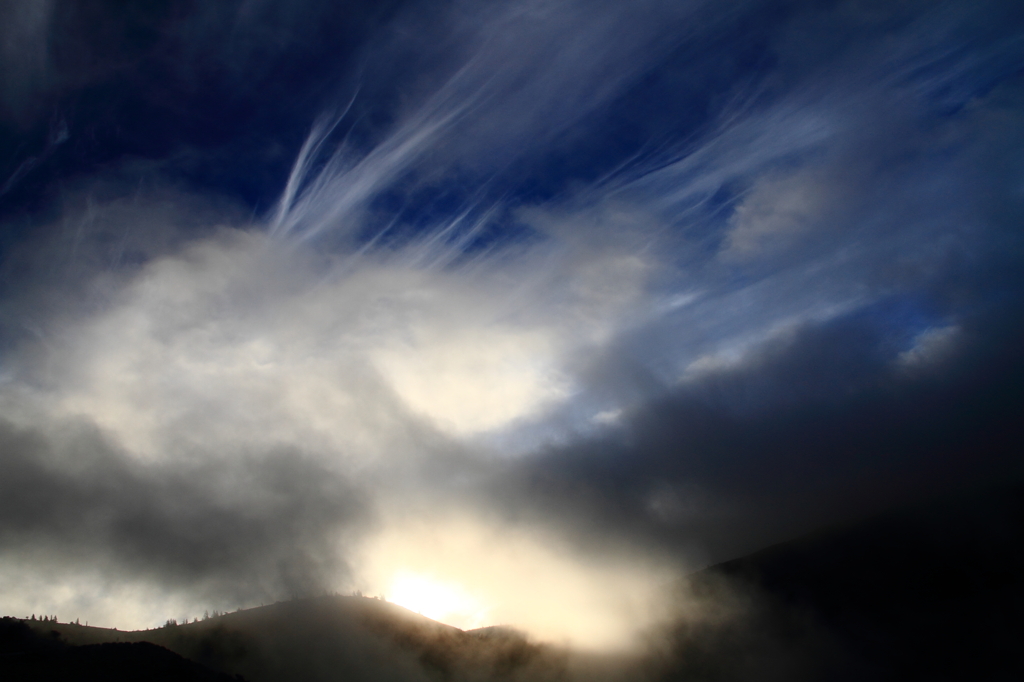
column 31, row 655
column 351, row 638
column 935, row 592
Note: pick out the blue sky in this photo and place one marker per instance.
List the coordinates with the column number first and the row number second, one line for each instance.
column 287, row 287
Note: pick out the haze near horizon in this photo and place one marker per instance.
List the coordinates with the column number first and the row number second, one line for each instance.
column 513, row 314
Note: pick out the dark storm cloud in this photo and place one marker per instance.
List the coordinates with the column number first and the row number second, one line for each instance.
column 817, row 428
column 23, row 45
column 251, row 530
column 853, row 343
column 745, row 270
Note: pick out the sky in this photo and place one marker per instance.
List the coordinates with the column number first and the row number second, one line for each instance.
column 507, row 312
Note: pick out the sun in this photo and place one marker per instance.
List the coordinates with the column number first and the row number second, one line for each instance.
column 445, row 602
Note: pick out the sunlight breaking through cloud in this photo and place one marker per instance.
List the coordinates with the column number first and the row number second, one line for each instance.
column 512, row 313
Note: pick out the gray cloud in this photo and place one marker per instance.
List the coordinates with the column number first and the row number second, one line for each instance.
column 251, row 530
column 778, row 287
column 815, row 428
column 24, row 53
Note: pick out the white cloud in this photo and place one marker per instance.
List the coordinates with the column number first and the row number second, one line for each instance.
column 241, row 340
column 776, row 212
column 930, row 346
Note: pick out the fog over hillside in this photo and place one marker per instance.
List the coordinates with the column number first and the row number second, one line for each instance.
column 514, row 314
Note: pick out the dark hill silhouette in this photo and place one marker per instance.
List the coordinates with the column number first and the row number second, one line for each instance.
column 931, row 593
column 935, row 592
column 350, row 638
column 29, row 655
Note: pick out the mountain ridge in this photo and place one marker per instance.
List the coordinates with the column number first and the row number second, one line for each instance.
column 928, row 592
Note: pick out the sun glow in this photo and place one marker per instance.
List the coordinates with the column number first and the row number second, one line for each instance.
column 441, row 601
column 470, row 572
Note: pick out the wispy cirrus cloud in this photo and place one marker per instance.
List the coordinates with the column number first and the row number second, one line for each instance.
column 631, row 289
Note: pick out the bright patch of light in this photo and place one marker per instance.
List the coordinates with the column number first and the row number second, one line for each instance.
column 472, row 573
column 437, row 600
column 473, row 380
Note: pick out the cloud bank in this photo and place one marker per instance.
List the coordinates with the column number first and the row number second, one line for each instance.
column 540, row 305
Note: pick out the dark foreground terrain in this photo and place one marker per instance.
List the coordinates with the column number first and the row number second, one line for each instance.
column 935, row 592
column 931, row 593
column 27, row 654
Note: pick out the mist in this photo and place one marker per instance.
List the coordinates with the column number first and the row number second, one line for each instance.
column 516, row 314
